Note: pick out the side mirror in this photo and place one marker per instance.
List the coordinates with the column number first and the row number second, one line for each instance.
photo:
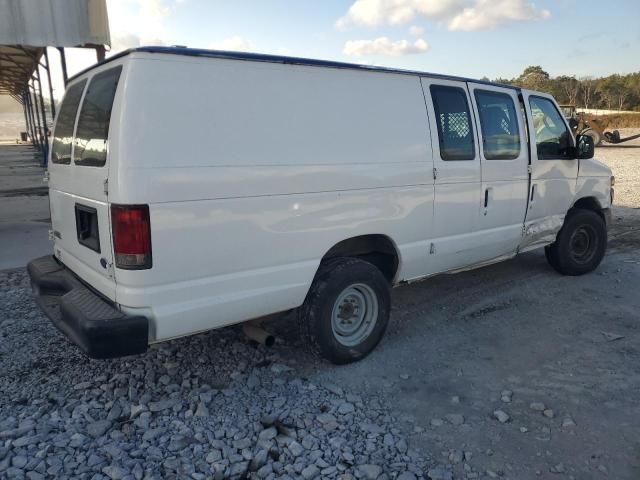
column 585, row 147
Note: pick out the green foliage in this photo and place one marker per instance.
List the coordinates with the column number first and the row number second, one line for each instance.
column 615, row 92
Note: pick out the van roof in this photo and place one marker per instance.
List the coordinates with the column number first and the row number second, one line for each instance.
column 260, row 57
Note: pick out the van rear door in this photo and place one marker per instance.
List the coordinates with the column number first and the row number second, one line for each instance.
column 78, row 175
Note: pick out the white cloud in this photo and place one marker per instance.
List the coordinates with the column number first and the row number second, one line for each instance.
column 137, row 22
column 384, row 46
column 372, row 13
column 416, row 31
column 488, row 14
column 235, row 43
column 457, row 14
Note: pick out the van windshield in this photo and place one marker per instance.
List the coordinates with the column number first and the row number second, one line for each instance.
column 93, row 123
column 63, row 132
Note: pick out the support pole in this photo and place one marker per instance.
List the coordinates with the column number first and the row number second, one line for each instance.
column 45, row 127
column 63, row 63
column 24, row 111
column 100, row 52
column 51, row 100
column 27, row 103
column 33, row 98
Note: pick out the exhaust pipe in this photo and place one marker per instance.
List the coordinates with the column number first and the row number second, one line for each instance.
column 258, row 334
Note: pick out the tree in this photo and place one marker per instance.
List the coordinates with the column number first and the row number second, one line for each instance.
column 588, row 90
column 534, row 78
column 569, row 87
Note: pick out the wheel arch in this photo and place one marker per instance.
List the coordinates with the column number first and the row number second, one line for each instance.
column 377, row 249
column 589, row 203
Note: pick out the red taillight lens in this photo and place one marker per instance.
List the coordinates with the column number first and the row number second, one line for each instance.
column 131, row 230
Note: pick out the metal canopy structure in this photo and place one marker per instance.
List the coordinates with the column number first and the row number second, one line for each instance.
column 27, row 28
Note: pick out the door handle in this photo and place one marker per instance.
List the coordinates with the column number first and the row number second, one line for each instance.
column 533, row 192
column 486, row 198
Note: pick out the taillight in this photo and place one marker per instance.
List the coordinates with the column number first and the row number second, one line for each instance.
column 131, row 230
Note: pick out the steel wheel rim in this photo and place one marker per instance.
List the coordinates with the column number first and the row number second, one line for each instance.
column 354, row 314
column 583, row 244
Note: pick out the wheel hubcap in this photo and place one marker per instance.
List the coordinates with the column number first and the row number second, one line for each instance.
column 354, row 314
column 583, row 244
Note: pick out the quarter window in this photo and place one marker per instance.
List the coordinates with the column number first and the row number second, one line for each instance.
column 95, row 115
column 500, row 135
column 453, row 119
column 63, row 133
column 553, row 140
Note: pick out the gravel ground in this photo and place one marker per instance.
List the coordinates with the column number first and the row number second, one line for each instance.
column 510, row 371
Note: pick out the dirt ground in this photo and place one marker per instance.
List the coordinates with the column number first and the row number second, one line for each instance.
column 570, row 343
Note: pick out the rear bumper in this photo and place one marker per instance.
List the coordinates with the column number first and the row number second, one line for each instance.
column 89, row 321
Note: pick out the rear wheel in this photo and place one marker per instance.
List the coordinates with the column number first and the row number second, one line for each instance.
column 597, row 138
column 580, row 245
column 346, row 310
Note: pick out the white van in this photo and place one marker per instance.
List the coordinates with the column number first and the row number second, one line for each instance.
column 192, row 189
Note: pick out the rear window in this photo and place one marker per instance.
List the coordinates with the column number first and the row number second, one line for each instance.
column 93, row 123
column 63, row 133
column 454, row 123
column 500, row 135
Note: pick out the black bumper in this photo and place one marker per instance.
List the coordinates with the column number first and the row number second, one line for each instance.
column 91, row 322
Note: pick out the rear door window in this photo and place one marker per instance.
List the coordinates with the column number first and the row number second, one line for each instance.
column 499, row 124
column 92, row 132
column 63, row 133
column 453, row 119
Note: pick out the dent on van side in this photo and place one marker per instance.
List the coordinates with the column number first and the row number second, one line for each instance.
column 295, row 185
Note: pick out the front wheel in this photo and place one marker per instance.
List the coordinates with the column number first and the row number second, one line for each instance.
column 580, row 245
column 346, row 310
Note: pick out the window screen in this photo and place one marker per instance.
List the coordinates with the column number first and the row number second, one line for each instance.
column 455, row 133
column 499, row 124
column 93, row 124
column 553, row 140
column 63, row 132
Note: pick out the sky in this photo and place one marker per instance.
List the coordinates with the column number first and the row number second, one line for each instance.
column 473, row 38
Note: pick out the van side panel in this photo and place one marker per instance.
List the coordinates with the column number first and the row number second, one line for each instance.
column 253, row 171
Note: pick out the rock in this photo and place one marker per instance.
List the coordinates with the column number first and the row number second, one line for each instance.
column 325, row 418
column 258, row 460
column 163, row 404
column 559, row 468
column 202, row 410
column 568, row 422
column 455, row 400
column 296, row 449
column 436, row 422
column 98, row 429
column 115, row 472
column 310, row 472
column 456, row 456
column 439, row 473
column 537, row 406
column 336, row 390
column 404, row 376
column 136, row 410
column 213, row 456
column 370, row 472
column 548, row 413
column 406, row 476
column 524, row 429
column 501, row 416
column 268, row 434
column 280, row 368
column 346, row 408
column 506, row 396
column 455, row 418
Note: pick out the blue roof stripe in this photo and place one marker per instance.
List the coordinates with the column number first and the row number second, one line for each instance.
column 260, row 57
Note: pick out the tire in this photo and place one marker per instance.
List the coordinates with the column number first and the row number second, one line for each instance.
column 597, row 138
column 580, row 245
column 346, row 310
